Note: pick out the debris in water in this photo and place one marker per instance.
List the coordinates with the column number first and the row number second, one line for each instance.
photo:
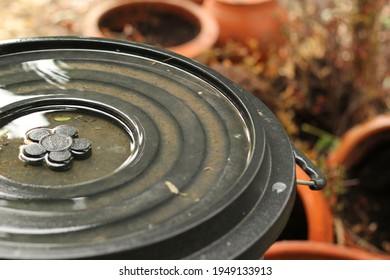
column 173, row 189
column 62, row 119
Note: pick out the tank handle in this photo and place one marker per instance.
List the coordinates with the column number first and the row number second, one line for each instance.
column 317, row 179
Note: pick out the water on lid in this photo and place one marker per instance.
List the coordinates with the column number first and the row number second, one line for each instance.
column 202, row 143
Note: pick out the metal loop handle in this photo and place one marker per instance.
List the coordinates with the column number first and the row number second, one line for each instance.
column 317, row 179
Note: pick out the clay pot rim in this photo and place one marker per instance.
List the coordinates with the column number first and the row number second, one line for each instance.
column 241, row 2
column 299, row 249
column 208, row 26
column 350, row 151
column 319, row 216
column 355, row 135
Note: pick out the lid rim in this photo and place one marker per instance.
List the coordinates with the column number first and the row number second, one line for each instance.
column 248, row 108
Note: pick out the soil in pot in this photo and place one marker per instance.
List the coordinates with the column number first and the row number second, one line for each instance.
column 148, row 24
column 365, row 208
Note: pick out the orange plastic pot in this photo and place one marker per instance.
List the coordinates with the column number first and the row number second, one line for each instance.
column 115, row 15
column 319, row 216
column 312, row 250
column 241, row 20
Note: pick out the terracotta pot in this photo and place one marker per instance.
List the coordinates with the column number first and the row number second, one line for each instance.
column 358, row 140
column 179, row 26
column 319, row 216
column 311, row 250
column 241, row 20
column 199, row 2
column 311, row 217
column 364, row 152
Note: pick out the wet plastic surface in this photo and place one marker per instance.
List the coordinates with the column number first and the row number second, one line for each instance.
column 182, row 158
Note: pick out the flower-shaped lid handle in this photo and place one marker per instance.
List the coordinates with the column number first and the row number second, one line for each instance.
column 55, row 147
